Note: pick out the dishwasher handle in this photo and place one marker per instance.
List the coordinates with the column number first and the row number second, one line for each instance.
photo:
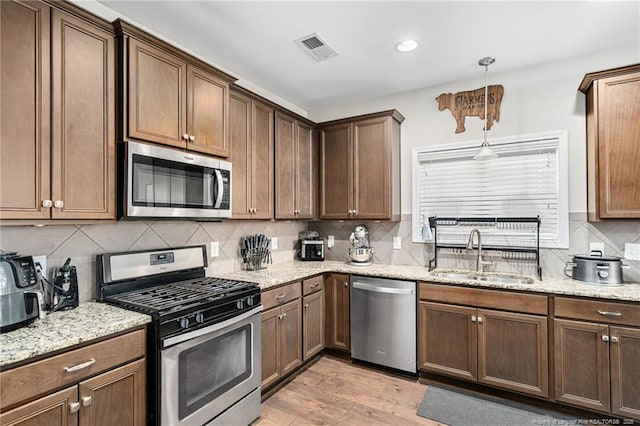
column 382, row 289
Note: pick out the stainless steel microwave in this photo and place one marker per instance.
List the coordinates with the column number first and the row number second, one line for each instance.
column 166, row 183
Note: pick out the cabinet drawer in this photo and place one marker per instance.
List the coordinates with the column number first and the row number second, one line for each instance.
column 280, row 295
column 312, row 285
column 525, row 303
column 37, row 378
column 598, row 310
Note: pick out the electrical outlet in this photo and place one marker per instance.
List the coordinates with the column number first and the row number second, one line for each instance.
column 42, row 270
column 330, row 241
column 397, row 243
column 215, row 249
column 274, row 243
column 632, row 251
column 596, row 247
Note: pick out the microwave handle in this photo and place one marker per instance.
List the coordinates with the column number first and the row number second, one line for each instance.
column 220, row 187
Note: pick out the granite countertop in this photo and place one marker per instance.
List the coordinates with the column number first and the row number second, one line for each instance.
column 283, row 273
column 60, row 330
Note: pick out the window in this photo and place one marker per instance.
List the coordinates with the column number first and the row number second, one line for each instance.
column 529, row 178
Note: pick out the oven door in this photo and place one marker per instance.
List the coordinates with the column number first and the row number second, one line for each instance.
column 162, row 182
column 206, row 371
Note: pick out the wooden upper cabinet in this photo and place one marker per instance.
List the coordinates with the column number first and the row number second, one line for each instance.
column 157, row 95
column 83, row 145
column 360, row 167
column 57, row 152
column 294, row 168
column 251, row 140
column 173, row 98
column 207, row 112
column 25, row 114
column 613, row 150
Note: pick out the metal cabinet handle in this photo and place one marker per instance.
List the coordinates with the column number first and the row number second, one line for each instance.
column 605, row 338
column 610, row 314
column 314, row 285
column 346, row 285
column 614, row 339
column 192, row 138
column 86, row 401
column 479, row 319
column 355, row 212
column 80, row 366
column 284, row 315
column 74, row 407
column 281, row 296
column 47, row 203
column 473, row 318
column 58, row 204
column 306, row 306
column 185, row 137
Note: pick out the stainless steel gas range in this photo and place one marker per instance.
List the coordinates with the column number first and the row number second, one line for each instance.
column 204, row 343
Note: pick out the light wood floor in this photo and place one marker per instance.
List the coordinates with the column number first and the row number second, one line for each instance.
column 335, row 392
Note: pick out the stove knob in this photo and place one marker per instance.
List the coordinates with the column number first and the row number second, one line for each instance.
column 199, row 318
column 250, row 301
column 239, row 304
column 184, row 322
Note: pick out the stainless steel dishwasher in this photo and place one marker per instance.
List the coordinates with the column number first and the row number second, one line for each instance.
column 383, row 322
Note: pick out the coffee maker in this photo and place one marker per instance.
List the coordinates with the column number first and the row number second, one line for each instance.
column 360, row 252
column 311, row 246
column 65, row 288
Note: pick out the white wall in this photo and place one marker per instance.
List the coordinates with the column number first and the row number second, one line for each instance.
column 536, row 99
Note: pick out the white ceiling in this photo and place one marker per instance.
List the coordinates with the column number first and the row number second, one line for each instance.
column 255, row 40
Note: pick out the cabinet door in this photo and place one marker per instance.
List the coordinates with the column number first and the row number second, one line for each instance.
column 50, row 410
column 313, row 324
column 447, row 339
column 240, row 141
column 582, row 364
column 336, row 170
column 625, row 371
column 25, row 110
column 285, row 167
column 157, row 95
column 261, row 161
column 270, row 347
column 291, row 336
column 305, row 192
column 83, row 116
column 512, row 351
column 115, row 398
column 618, row 113
column 207, row 112
column 337, row 312
column 372, row 168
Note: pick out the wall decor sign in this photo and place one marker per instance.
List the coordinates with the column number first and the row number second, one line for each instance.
column 471, row 104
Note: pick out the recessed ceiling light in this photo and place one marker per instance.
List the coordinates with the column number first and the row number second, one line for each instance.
column 407, row 45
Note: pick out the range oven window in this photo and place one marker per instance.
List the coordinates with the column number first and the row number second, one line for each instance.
column 164, row 183
column 213, row 367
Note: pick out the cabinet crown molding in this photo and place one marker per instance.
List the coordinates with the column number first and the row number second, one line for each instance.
column 593, row 76
column 394, row 113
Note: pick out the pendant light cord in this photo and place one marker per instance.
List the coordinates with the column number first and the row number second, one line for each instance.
column 486, row 92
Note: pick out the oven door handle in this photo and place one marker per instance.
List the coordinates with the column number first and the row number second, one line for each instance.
column 210, row 329
column 220, row 187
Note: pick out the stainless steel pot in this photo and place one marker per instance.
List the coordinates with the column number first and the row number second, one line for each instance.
column 596, row 268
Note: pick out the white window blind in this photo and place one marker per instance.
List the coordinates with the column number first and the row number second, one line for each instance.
column 528, row 179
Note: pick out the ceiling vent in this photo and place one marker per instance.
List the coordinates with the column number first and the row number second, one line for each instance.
column 317, row 47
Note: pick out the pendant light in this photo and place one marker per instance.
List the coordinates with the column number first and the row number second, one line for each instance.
column 485, row 152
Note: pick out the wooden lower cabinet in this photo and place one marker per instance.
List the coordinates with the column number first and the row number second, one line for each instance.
column 502, row 349
column 116, row 397
column 281, row 341
column 597, row 366
column 313, row 324
column 338, row 311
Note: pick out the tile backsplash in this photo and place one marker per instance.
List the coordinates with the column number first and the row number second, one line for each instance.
column 581, row 233
column 83, row 242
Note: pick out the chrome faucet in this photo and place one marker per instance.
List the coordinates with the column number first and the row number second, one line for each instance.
column 479, row 262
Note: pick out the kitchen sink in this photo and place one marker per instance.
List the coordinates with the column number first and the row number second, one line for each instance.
column 507, row 280
column 455, row 275
column 489, row 278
